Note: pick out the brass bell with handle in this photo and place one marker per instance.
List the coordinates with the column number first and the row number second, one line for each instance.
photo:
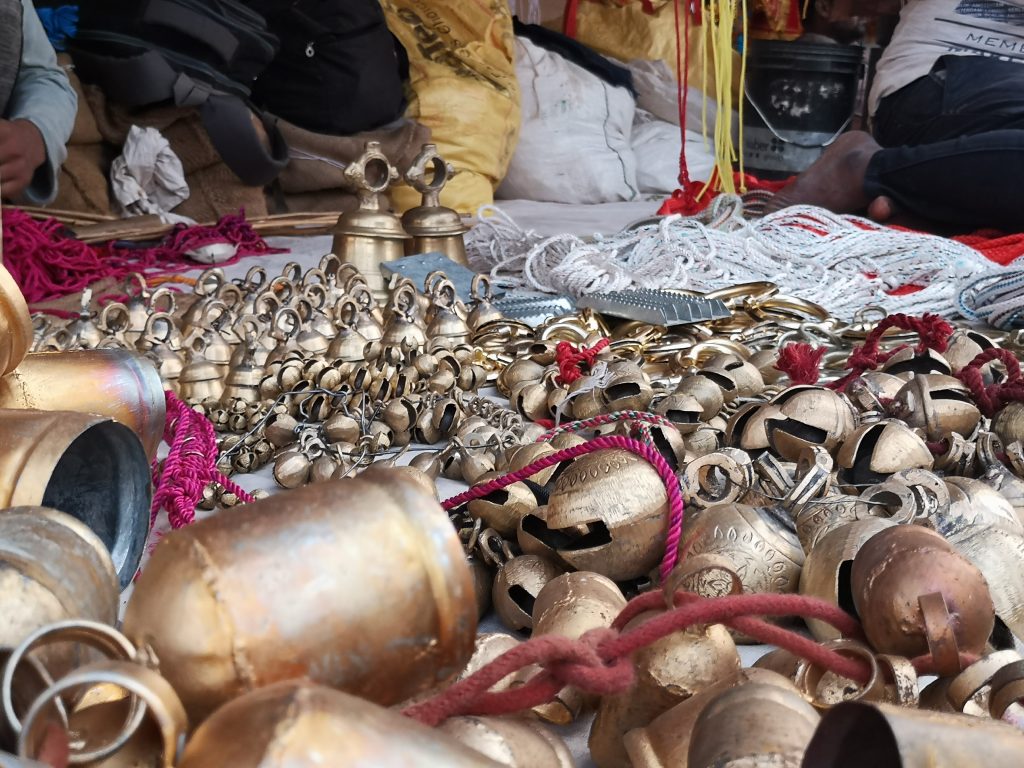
column 433, row 227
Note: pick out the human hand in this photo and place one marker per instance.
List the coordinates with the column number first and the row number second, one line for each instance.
column 22, row 151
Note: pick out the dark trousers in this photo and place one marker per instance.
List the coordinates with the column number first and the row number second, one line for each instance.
column 954, row 145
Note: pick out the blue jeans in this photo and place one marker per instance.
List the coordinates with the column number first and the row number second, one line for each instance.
column 954, row 145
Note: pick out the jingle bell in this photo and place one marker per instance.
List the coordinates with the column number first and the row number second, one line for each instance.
column 370, row 235
column 89, row 467
column 809, row 416
column 1008, row 423
column 940, row 405
column 483, row 310
column 628, row 388
column 522, row 370
column 109, row 382
column 15, row 323
column 515, row 742
column 516, row 587
column 600, row 529
column 503, row 509
column 736, row 378
column 433, row 227
column 669, row 671
column 747, row 428
column 303, row 725
column 874, row 451
column 299, row 573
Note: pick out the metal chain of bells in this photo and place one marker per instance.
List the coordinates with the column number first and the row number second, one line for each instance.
column 783, row 484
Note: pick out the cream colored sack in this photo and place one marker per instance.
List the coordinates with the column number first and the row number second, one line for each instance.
column 463, row 78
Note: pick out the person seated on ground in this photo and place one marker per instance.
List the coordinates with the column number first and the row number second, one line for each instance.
column 948, row 119
column 37, row 104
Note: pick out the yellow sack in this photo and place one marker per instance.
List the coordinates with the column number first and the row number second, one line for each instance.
column 464, row 88
column 622, row 29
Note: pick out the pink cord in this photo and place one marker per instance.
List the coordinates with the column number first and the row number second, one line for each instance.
column 675, row 498
column 606, row 418
column 189, row 467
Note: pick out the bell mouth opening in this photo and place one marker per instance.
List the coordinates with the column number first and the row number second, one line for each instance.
column 725, row 382
column 682, row 417
column 499, row 497
column 103, row 479
column 664, row 447
column 586, row 536
column 951, row 395
column 621, row 391
column 797, row 429
column 519, row 595
column 844, row 588
column 852, row 735
column 918, row 365
column 861, row 473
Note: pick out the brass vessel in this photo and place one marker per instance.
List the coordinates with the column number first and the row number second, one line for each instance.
column 357, row 584
column 110, row 382
column 433, row 227
column 370, row 235
column 90, row 467
column 15, row 323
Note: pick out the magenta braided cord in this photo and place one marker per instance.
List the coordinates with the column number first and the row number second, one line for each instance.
column 643, row 417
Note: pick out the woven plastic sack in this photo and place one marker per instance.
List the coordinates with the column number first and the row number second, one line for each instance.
column 464, row 89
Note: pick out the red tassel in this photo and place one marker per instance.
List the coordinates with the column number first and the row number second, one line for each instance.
column 801, row 362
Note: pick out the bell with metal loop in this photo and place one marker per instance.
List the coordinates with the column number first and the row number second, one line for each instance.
column 446, row 325
column 516, row 586
column 81, row 333
column 113, row 322
column 896, row 577
column 137, row 307
column 16, row 324
column 244, row 377
column 402, row 330
column 386, row 656
column 569, row 606
column 516, row 742
column 433, row 227
column 668, row 671
column 348, row 344
column 665, row 741
column 906, row 363
column 594, row 526
column 200, row 379
column 873, row 452
column 483, row 310
column 285, row 328
column 316, row 314
column 370, row 236
column 309, row 339
column 162, row 344
column 940, row 405
column 719, row 477
column 872, row 391
column 824, row 689
column 778, row 726
column 736, row 377
column 855, row 734
column 808, row 416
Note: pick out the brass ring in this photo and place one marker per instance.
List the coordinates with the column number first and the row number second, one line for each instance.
column 757, row 290
column 144, row 684
column 965, row 686
column 809, row 676
column 1007, row 688
column 903, row 692
column 100, row 637
column 938, row 626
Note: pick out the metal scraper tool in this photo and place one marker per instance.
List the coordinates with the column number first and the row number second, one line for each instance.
column 656, row 306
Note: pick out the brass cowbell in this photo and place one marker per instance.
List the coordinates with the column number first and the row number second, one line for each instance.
column 370, row 235
column 433, row 227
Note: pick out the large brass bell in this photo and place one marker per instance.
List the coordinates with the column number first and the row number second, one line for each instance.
column 370, row 235
column 15, row 323
column 433, row 227
column 808, row 416
column 940, row 405
column 874, row 451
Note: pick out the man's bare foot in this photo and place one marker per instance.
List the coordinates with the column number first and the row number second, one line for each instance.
column 836, row 180
column 881, row 209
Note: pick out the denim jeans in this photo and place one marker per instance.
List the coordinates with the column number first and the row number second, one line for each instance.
column 953, row 145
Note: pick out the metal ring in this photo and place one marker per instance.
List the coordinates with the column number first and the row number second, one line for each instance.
column 144, row 684
column 965, row 686
column 904, row 691
column 1007, row 688
column 809, row 676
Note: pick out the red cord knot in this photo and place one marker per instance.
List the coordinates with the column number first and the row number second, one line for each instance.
column 590, row 669
column 991, row 398
column 801, row 362
column 571, row 360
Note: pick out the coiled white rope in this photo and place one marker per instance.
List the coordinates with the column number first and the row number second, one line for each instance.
column 842, row 262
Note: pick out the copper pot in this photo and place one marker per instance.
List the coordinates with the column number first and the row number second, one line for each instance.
column 301, row 725
column 853, row 735
column 359, row 584
column 15, row 323
column 88, row 466
column 110, row 382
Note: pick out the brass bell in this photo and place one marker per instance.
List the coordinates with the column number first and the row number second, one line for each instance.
column 808, row 416
column 570, row 605
column 683, row 410
column 628, row 388
column 597, row 527
column 348, row 344
column 483, row 310
column 243, row 380
column 402, row 330
column 16, row 324
column 892, row 575
column 370, row 235
column 162, row 343
column 80, row 333
column 446, row 324
column 1008, row 423
column 940, row 405
column 963, row 346
column 200, row 379
column 736, row 377
column 291, row 469
column 747, row 428
column 309, row 339
column 907, row 362
column 503, row 509
column 874, row 451
column 325, row 604
column 764, row 360
column 531, row 400
column 302, row 725
column 516, row 742
column 670, row 670
column 516, row 586
column 521, row 371
column 433, row 227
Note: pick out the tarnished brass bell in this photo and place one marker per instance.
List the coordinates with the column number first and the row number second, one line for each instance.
column 736, row 377
column 348, row 344
column 521, row 371
column 402, row 330
column 433, row 227
column 244, row 377
column 668, row 671
column 940, row 405
column 601, row 529
column 302, row 725
column 516, row 586
column 628, row 388
column 808, row 416
column 370, row 235
column 300, row 571
column 874, row 451
column 16, row 324
column 162, row 343
column 908, row 362
column 747, row 428
column 963, row 346
column 1008, row 423
column 516, row 742
column 483, row 310
column 503, row 509
column 81, row 333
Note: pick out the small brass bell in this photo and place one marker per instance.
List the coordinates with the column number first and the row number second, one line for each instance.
column 446, row 324
column 628, row 388
column 503, row 509
column 370, row 235
column 80, row 333
column 514, row 742
column 348, row 344
column 433, row 227
column 808, row 416
column 483, row 310
column 737, row 378
column 243, row 380
column 907, row 362
column 516, row 586
column 161, row 342
column 402, row 330
column 874, row 451
column 938, row 404
column 199, row 379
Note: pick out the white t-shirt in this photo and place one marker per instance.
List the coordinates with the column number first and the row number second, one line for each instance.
column 929, row 29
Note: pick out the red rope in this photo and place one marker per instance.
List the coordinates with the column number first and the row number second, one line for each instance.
column 47, row 264
column 599, row 661
column 674, row 496
column 190, row 465
column 991, row 399
column 801, row 362
column 932, row 331
column 571, row 360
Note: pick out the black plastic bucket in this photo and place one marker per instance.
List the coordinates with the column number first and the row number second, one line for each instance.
column 799, row 98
